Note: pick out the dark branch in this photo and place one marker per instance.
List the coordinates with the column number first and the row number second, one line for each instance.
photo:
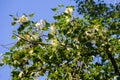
column 109, row 54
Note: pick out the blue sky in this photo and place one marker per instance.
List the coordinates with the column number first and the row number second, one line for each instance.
column 42, row 10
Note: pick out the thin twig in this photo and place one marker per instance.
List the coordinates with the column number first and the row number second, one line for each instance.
column 8, row 44
column 5, row 47
column 32, row 42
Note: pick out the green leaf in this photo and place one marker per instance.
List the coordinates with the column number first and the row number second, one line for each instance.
column 61, row 5
column 13, row 23
column 11, row 15
column 13, row 37
column 54, row 9
column 50, row 35
column 14, row 31
column 26, row 23
column 45, row 28
column 23, row 26
column 7, row 53
column 31, row 15
column 56, row 17
column 14, row 18
column 47, row 24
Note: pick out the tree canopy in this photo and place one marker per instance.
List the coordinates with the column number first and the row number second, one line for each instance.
column 69, row 48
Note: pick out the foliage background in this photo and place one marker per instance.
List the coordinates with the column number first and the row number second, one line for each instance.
column 19, row 7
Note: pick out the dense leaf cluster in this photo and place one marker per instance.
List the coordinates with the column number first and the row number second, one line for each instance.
column 70, row 48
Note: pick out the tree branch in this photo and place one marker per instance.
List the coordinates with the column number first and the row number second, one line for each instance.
column 109, row 54
column 32, row 42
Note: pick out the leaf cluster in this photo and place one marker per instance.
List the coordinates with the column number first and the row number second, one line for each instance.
column 85, row 48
